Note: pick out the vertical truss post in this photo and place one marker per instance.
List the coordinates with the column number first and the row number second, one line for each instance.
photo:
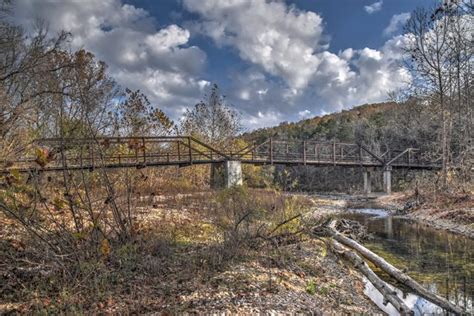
column 119, row 147
column 304, row 152
column 80, row 158
column 91, row 155
column 271, row 150
column 144, row 150
column 179, row 151
column 190, row 151
column 136, row 151
column 334, row 152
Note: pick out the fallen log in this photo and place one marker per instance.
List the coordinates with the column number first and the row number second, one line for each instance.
column 389, row 295
column 418, row 289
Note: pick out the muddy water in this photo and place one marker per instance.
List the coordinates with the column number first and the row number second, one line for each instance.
column 441, row 261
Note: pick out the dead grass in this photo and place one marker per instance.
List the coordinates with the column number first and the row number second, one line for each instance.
column 179, row 261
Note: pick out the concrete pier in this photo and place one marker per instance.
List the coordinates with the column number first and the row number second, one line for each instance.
column 387, row 180
column 233, row 173
column 226, row 174
column 367, row 174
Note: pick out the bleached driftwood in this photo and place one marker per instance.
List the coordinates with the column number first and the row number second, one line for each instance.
column 389, row 295
column 329, row 230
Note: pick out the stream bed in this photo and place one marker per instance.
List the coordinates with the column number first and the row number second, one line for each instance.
column 441, row 261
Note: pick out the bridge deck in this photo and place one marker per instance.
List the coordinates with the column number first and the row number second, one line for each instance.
column 48, row 155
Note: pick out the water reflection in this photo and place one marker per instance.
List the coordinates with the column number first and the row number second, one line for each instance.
column 441, row 261
column 417, row 304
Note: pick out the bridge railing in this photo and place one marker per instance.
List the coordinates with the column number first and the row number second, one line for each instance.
column 279, row 151
column 116, row 152
column 119, row 152
column 336, row 153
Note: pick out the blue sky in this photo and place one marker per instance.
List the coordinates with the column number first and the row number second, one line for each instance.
column 347, row 24
column 275, row 60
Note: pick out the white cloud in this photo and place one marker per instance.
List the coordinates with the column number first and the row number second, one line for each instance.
column 367, row 77
column 282, row 40
column 347, row 54
column 304, row 114
column 142, row 56
column 253, row 92
column 374, row 7
column 245, row 95
column 396, row 23
column 263, row 119
column 167, row 38
column 287, row 43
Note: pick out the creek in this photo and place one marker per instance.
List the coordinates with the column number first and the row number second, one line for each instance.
column 441, row 261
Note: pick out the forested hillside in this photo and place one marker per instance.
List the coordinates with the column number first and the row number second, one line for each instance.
column 381, row 127
column 339, row 125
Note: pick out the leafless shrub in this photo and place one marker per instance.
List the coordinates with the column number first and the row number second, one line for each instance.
column 247, row 218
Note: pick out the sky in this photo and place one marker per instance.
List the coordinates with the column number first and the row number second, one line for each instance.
column 274, row 60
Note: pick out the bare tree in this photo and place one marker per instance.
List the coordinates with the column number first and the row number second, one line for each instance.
column 26, row 68
column 135, row 116
column 212, row 120
column 439, row 57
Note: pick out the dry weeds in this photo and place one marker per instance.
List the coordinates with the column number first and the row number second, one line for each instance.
column 179, row 262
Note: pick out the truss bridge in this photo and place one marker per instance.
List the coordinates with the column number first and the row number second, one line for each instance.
column 56, row 154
